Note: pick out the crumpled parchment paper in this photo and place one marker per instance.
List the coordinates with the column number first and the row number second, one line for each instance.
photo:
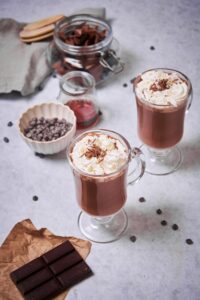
column 25, row 243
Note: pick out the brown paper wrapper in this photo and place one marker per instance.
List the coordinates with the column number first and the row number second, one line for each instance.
column 25, row 243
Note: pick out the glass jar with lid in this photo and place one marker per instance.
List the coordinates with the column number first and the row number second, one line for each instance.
column 77, row 90
column 84, row 43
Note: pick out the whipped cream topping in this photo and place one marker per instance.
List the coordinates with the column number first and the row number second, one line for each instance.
column 162, row 88
column 99, row 154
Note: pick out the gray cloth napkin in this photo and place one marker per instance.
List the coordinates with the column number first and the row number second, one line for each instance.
column 23, row 67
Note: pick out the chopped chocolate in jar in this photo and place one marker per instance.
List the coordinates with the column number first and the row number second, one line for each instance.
column 83, row 35
column 84, row 43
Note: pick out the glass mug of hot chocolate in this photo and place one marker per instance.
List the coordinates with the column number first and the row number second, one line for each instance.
column 99, row 160
column 163, row 96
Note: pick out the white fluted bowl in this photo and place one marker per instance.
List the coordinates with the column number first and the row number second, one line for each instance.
column 48, row 111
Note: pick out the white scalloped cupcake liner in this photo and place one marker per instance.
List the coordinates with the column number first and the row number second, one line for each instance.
column 48, row 111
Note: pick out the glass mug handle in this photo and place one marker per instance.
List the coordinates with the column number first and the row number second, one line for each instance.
column 137, row 154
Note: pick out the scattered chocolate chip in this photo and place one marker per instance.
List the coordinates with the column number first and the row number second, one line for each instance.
column 54, row 75
column 39, row 155
column 159, row 211
column 142, row 199
column 175, row 227
column 125, row 85
column 152, row 48
column 133, row 238
column 100, row 113
column 189, row 241
column 10, row 124
column 6, row 140
column 40, row 88
column 35, row 198
column 163, row 223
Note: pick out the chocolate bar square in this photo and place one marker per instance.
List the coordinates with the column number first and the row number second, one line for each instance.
column 51, row 273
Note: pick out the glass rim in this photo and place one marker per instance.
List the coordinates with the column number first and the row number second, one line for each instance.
column 81, row 50
column 81, row 74
column 104, row 131
column 165, row 69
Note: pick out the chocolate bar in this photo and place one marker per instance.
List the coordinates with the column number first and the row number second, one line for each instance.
column 51, row 273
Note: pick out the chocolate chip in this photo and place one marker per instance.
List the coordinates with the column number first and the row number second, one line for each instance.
column 6, row 140
column 133, row 238
column 54, row 75
column 163, row 223
column 41, row 129
column 141, row 199
column 39, row 155
column 175, row 227
column 35, row 198
column 40, row 88
column 152, row 48
column 100, row 113
column 189, row 241
column 10, row 124
column 159, row 211
column 125, row 85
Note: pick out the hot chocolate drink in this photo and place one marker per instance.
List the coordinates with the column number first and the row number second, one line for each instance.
column 161, row 97
column 100, row 171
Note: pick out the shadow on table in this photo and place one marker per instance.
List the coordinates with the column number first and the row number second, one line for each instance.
column 58, row 156
column 191, row 155
column 148, row 223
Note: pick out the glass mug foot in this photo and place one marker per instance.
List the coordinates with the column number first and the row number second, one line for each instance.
column 103, row 229
column 162, row 162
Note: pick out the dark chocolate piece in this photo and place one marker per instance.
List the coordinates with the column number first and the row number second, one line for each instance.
column 133, row 238
column 142, row 199
column 163, row 223
column 51, row 273
column 10, row 124
column 6, row 140
column 159, row 211
column 35, row 198
column 189, row 241
column 175, row 227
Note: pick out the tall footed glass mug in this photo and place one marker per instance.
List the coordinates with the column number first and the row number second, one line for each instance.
column 163, row 96
column 99, row 160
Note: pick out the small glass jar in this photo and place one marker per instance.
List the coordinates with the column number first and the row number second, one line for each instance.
column 77, row 90
column 99, row 59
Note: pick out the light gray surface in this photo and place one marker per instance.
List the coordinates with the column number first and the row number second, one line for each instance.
column 160, row 265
